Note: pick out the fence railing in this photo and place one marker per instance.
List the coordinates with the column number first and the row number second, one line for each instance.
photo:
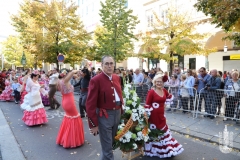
column 222, row 103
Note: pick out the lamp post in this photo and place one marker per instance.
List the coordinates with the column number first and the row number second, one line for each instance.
column 171, row 53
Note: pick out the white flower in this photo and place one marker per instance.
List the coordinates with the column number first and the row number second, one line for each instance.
column 155, row 105
column 124, row 141
column 140, row 134
column 121, row 139
column 127, row 108
column 126, row 90
column 135, row 146
column 134, row 104
column 153, row 126
column 134, row 98
column 134, row 110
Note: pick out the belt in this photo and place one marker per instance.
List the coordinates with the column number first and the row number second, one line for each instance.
column 84, row 89
column 118, row 103
column 103, row 111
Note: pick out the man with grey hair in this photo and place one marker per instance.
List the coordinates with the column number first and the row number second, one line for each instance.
column 138, row 81
column 104, row 106
column 213, row 84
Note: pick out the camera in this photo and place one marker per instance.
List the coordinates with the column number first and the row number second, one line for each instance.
column 206, row 87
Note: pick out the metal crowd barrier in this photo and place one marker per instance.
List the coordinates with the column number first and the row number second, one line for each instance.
column 220, row 102
column 141, row 91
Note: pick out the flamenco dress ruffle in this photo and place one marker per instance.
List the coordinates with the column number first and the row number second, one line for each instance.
column 23, row 93
column 165, row 147
column 71, row 133
column 34, row 112
column 7, row 94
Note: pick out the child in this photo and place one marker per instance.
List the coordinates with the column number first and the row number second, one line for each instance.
column 15, row 87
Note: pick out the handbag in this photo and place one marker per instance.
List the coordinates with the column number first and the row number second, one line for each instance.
column 184, row 92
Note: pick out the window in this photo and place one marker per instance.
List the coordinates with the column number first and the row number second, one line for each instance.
column 150, row 18
column 163, row 11
column 86, row 10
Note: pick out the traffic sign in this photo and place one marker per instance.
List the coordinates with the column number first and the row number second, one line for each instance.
column 60, row 58
column 23, row 60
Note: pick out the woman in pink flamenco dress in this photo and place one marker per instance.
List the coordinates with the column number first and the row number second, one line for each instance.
column 24, row 81
column 71, row 133
column 7, row 93
column 165, row 145
column 45, row 83
column 34, row 112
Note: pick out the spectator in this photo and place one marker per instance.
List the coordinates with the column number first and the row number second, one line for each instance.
column 232, row 88
column 138, row 81
column 212, row 99
column 189, row 84
column 224, row 75
column 203, row 78
column 174, row 87
column 129, row 77
column 118, row 72
column 177, row 71
column 93, row 72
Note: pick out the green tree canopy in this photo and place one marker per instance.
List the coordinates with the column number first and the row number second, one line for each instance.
column 48, row 29
column 225, row 14
column 173, row 35
column 115, row 38
column 12, row 50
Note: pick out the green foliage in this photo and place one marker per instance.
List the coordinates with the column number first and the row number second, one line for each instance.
column 47, row 29
column 176, row 35
column 224, row 13
column 12, row 50
column 116, row 35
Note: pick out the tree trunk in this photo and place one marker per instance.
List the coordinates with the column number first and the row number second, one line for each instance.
column 171, row 63
column 57, row 51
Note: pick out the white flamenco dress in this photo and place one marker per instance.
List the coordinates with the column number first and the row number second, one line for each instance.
column 34, row 112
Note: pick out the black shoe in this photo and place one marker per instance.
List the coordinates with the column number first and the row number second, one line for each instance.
column 206, row 116
column 16, row 102
column 58, row 105
column 51, row 109
column 212, row 117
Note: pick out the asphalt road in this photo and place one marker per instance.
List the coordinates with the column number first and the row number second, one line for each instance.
column 38, row 142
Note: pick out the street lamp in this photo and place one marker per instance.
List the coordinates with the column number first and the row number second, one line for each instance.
column 171, row 52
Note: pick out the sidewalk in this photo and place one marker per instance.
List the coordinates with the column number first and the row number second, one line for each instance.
column 9, row 147
column 201, row 128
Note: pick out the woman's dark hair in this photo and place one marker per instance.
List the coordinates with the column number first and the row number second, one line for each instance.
column 146, row 73
column 220, row 73
column 87, row 74
column 33, row 75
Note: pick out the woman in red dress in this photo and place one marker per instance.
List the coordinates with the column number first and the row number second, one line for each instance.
column 71, row 133
column 165, row 146
column 7, row 93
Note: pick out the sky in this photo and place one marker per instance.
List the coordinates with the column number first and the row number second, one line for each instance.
column 7, row 7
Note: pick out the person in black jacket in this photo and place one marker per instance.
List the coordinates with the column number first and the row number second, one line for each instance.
column 84, row 82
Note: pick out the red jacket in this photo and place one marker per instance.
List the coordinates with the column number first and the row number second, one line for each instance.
column 101, row 95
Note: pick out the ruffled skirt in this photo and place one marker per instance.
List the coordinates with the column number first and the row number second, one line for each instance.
column 34, row 112
column 7, row 94
column 71, row 133
column 166, row 147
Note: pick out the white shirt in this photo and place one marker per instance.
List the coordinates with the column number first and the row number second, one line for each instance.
column 115, row 92
column 53, row 78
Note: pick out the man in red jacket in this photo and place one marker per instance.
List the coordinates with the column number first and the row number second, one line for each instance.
column 104, row 106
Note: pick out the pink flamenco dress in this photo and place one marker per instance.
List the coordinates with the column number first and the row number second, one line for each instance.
column 34, row 112
column 71, row 133
column 45, row 99
column 7, row 92
column 164, row 145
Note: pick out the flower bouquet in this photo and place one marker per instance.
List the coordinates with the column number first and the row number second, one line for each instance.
column 133, row 128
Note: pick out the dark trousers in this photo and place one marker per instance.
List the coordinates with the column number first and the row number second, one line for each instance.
column 52, row 100
column 107, row 128
column 211, row 103
column 82, row 103
column 231, row 104
column 202, row 96
column 17, row 95
column 185, row 100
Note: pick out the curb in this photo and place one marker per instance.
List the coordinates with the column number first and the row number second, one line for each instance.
column 9, row 147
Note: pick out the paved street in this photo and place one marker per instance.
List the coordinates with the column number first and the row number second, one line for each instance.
column 38, row 143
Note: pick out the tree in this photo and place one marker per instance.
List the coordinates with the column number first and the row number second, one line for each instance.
column 12, row 50
column 175, row 35
column 48, row 29
column 225, row 14
column 117, row 33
